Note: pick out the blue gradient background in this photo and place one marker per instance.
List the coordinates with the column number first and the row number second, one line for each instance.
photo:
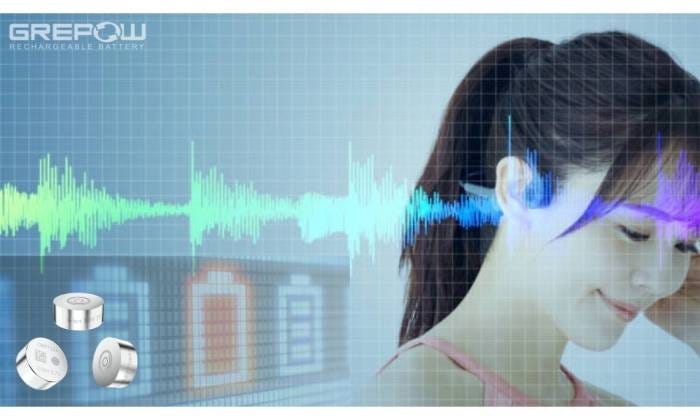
column 274, row 100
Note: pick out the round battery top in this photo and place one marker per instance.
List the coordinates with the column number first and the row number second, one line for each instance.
column 78, row 311
column 41, row 364
column 114, row 363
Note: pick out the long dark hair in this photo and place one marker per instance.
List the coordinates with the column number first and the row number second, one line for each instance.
column 597, row 100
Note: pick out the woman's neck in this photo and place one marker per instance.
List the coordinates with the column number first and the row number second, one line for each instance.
column 507, row 334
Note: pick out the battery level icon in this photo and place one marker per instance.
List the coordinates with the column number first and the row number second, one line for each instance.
column 7, row 341
column 301, row 338
column 219, row 322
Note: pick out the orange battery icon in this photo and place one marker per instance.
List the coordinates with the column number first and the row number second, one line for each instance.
column 219, row 324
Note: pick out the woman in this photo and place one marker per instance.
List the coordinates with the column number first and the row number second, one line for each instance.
column 615, row 125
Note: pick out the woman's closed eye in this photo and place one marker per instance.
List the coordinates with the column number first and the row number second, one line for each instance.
column 688, row 247
column 692, row 247
column 632, row 234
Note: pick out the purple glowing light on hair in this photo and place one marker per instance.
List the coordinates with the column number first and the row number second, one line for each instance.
column 676, row 205
column 677, row 194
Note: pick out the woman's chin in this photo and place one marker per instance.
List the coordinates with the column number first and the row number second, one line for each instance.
column 602, row 341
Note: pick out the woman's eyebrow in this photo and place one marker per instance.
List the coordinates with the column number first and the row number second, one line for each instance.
column 653, row 212
column 663, row 216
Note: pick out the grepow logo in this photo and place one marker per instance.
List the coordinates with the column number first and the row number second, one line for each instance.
column 104, row 32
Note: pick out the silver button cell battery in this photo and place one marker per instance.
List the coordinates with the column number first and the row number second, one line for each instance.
column 114, row 363
column 41, row 364
column 78, row 311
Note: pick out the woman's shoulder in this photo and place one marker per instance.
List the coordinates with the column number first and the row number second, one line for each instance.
column 606, row 398
column 422, row 376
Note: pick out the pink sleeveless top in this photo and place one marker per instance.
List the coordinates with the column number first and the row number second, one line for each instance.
column 497, row 392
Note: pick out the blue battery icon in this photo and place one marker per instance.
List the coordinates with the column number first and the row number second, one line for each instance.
column 7, row 342
column 300, row 336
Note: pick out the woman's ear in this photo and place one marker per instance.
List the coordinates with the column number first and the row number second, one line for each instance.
column 512, row 177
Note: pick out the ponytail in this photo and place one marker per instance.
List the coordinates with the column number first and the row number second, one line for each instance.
column 445, row 260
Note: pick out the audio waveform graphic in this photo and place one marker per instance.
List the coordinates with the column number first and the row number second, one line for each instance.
column 63, row 207
column 372, row 210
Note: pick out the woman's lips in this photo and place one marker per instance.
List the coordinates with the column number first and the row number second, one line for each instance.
column 622, row 310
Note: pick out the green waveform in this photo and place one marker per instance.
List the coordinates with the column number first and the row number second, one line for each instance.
column 62, row 208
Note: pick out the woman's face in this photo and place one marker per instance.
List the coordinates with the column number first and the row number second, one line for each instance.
column 595, row 280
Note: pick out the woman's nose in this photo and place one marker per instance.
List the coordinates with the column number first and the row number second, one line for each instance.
column 657, row 282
